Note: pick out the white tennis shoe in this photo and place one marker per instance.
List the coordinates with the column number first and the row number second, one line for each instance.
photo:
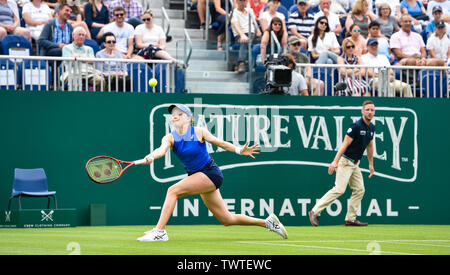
column 154, row 235
column 274, row 225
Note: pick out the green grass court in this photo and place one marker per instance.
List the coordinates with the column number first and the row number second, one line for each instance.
column 236, row 240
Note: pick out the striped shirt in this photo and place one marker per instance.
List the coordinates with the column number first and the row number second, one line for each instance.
column 61, row 33
column 6, row 15
column 304, row 25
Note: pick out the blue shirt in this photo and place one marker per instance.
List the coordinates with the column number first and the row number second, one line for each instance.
column 191, row 152
column 362, row 134
column 61, row 35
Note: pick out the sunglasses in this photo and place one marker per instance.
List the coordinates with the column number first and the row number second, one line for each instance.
column 296, row 44
column 146, row 19
column 110, row 42
column 119, row 14
column 350, row 47
column 323, row 22
column 357, row 30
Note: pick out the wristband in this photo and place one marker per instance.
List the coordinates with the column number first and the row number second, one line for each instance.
column 150, row 159
column 237, row 150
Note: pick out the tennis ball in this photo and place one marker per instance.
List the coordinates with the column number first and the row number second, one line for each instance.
column 153, row 82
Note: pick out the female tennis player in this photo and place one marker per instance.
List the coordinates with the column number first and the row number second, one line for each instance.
column 204, row 176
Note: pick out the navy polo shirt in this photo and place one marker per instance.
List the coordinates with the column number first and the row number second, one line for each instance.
column 362, row 134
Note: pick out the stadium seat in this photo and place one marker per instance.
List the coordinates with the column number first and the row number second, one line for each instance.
column 8, row 77
column 31, row 183
column 160, row 74
column 15, row 45
column 140, row 74
column 434, row 83
column 34, row 75
column 329, row 77
column 93, row 44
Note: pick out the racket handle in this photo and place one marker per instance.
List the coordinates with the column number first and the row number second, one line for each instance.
column 139, row 162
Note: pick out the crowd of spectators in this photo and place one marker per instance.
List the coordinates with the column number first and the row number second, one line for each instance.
column 404, row 33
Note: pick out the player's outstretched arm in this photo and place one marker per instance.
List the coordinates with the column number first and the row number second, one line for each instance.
column 166, row 143
column 246, row 150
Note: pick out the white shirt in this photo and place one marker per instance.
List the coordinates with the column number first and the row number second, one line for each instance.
column 122, row 35
column 371, row 60
column 152, row 36
column 41, row 13
column 266, row 16
column 329, row 41
column 242, row 19
column 445, row 5
column 440, row 46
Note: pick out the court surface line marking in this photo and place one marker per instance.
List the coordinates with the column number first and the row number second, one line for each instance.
column 277, row 243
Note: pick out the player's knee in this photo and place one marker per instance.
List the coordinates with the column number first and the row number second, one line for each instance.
column 173, row 191
column 339, row 191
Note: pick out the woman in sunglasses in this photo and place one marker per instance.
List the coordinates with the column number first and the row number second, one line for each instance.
column 361, row 15
column 281, row 35
column 116, row 74
column 150, row 39
column 356, row 86
column 355, row 33
column 323, row 44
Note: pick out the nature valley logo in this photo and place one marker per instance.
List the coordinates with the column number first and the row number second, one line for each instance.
column 293, row 135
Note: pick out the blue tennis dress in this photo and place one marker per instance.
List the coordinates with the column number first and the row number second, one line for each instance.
column 194, row 156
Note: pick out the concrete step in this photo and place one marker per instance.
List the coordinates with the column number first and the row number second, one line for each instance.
column 217, row 87
column 208, row 65
column 221, row 76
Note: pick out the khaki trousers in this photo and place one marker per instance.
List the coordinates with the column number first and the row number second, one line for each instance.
column 396, row 88
column 347, row 173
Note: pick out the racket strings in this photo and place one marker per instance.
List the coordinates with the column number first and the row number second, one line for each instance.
column 104, row 169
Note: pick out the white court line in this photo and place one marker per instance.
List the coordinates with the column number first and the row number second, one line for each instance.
column 324, row 247
column 422, row 244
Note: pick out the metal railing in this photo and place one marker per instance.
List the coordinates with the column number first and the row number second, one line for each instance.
column 40, row 73
column 387, row 81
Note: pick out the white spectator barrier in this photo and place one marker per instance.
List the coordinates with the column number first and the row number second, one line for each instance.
column 398, row 81
column 39, row 73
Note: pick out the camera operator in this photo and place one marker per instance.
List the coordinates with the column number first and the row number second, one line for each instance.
column 298, row 84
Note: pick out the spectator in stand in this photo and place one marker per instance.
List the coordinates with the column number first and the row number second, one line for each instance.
column 218, row 13
column 150, row 39
column 298, row 83
column 266, row 17
column 323, row 44
column 355, row 33
column 315, row 86
column 52, row 4
column 409, row 48
column 340, row 7
column 133, row 11
column 123, row 32
column 243, row 32
column 277, row 27
column 383, row 43
column 97, row 16
column 356, row 86
column 394, row 8
column 417, row 11
column 444, row 4
column 257, row 6
column 201, row 10
column 301, row 23
column 372, row 58
column 76, row 17
column 115, row 72
column 36, row 14
column 359, row 16
column 333, row 19
column 57, row 33
column 86, row 70
column 437, row 16
column 388, row 24
column 10, row 23
column 438, row 45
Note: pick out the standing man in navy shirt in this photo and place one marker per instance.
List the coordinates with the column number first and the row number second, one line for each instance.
column 346, row 164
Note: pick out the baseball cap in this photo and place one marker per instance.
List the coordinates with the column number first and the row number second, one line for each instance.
column 302, row 1
column 181, row 107
column 436, row 8
column 294, row 39
column 440, row 24
column 371, row 41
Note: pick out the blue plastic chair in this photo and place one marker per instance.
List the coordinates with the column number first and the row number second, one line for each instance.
column 434, row 83
column 93, row 44
column 31, row 183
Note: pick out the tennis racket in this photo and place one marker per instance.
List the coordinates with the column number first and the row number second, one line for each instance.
column 104, row 169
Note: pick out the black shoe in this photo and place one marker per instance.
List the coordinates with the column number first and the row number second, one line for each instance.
column 355, row 223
